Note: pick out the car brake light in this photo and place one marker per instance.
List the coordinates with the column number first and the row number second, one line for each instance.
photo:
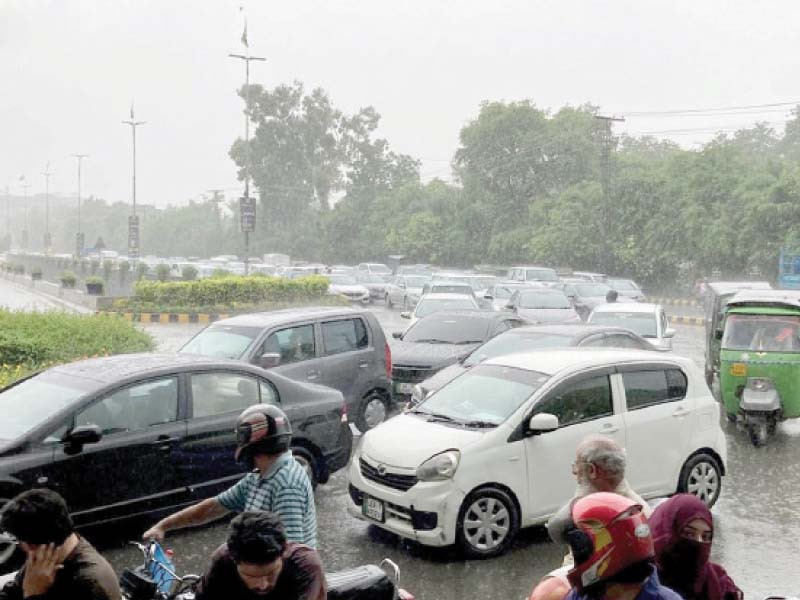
column 388, row 360
column 344, row 412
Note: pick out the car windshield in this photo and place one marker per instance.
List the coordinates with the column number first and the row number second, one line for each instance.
column 451, row 288
column 645, row 324
column 343, row 279
column 382, row 269
column 450, row 330
column 543, row 299
column 428, row 306
column 503, row 292
column 370, row 278
column 592, row 289
column 484, row 396
column 34, row 400
column 222, row 341
column 623, row 285
column 541, row 275
column 416, row 282
column 762, row 333
column 512, row 342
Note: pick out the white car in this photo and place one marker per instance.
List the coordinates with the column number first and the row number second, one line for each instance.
column 434, row 302
column 648, row 320
column 347, row 286
column 491, row 451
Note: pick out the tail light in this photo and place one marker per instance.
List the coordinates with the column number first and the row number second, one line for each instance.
column 388, row 360
column 344, row 412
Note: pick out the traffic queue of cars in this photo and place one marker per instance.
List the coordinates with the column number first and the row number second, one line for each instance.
column 493, row 399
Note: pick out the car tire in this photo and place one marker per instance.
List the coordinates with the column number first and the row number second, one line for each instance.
column 308, row 461
column 388, row 302
column 11, row 556
column 701, row 476
column 487, row 523
column 373, row 411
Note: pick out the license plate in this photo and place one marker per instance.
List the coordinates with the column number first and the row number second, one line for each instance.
column 738, row 370
column 405, row 388
column 372, row 508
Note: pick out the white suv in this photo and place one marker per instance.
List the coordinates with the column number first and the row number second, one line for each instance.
column 491, row 451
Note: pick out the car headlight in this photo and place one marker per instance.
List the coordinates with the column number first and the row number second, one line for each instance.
column 440, row 467
column 760, row 384
column 418, row 394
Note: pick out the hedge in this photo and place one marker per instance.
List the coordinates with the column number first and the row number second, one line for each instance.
column 230, row 291
column 31, row 341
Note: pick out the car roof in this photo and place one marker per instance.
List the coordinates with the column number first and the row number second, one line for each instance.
column 577, row 330
column 532, row 267
column 444, row 296
column 722, row 287
column 476, row 315
column 766, row 297
column 111, row 369
column 628, row 307
column 555, row 360
column 286, row 315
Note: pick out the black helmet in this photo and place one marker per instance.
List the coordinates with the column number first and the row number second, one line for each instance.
column 262, row 429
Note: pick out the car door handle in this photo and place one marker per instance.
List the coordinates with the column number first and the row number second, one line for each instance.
column 680, row 412
column 165, row 443
column 609, row 428
column 363, row 365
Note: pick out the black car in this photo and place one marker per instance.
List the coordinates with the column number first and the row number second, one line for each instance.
column 135, row 434
column 540, row 337
column 441, row 339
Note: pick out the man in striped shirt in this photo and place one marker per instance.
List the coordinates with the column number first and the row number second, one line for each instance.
column 277, row 484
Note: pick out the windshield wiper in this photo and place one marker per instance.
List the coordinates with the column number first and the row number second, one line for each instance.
column 480, row 424
column 468, row 342
column 429, row 341
column 441, row 417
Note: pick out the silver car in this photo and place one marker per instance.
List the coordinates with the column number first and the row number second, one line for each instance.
column 543, row 305
column 405, row 291
column 648, row 320
column 500, row 293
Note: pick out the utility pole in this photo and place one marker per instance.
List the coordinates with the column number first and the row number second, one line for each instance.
column 79, row 239
column 8, row 217
column 605, row 219
column 247, row 207
column 47, row 239
column 25, row 187
column 133, row 220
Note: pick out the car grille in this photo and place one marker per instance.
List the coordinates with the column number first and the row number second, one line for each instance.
column 392, row 480
column 404, row 374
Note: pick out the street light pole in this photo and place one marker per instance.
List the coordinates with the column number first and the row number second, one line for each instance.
column 25, row 187
column 133, row 220
column 47, row 239
column 79, row 236
column 246, row 200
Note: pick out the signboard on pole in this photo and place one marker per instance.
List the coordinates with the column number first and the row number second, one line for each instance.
column 247, row 214
column 133, row 237
column 80, row 243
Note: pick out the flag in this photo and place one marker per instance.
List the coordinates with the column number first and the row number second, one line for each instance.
column 244, row 35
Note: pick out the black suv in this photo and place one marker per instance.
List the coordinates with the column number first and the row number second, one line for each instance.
column 343, row 348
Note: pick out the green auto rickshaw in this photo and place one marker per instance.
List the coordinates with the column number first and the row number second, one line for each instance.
column 760, row 360
column 715, row 300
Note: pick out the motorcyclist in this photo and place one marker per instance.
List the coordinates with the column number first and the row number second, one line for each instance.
column 613, row 549
column 257, row 561
column 611, row 296
column 276, row 484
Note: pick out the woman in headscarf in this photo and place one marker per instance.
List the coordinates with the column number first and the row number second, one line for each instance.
column 683, row 530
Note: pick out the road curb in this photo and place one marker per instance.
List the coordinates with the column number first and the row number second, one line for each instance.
column 675, row 302
column 166, row 318
column 680, row 320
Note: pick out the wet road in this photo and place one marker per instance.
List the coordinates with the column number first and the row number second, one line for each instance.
column 757, row 518
column 17, row 296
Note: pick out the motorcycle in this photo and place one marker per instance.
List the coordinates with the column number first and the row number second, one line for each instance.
column 157, row 579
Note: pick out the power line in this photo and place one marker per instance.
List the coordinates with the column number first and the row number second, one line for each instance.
column 642, row 113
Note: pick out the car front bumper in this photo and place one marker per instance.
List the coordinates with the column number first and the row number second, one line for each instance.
column 426, row 513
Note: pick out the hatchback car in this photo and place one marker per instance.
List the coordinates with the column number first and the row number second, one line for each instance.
column 135, row 434
column 586, row 296
column 491, row 451
column 442, row 339
column 530, row 274
column 347, row 286
column 543, row 305
column 628, row 288
column 339, row 347
column 405, row 291
column 500, row 293
column 526, row 339
column 436, row 302
column 648, row 320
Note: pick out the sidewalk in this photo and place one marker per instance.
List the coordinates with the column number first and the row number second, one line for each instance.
column 69, row 300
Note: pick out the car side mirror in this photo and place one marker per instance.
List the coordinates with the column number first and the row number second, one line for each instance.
column 80, row 436
column 269, row 360
column 542, row 423
column 718, row 334
column 669, row 332
column 405, row 315
column 398, row 335
column 488, row 297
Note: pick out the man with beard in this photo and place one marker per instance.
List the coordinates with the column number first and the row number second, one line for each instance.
column 258, row 562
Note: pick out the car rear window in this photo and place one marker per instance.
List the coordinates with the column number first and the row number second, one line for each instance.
column 222, row 341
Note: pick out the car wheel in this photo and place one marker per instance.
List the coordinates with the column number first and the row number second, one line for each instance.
column 308, row 461
column 374, row 411
column 11, row 557
column 701, row 476
column 487, row 523
column 388, row 302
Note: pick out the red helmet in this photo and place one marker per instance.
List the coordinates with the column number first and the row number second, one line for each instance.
column 610, row 534
column 262, row 429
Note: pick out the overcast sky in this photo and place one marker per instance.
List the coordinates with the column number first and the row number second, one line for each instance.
column 70, row 68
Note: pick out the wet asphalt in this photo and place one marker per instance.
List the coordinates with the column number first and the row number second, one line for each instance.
column 757, row 520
